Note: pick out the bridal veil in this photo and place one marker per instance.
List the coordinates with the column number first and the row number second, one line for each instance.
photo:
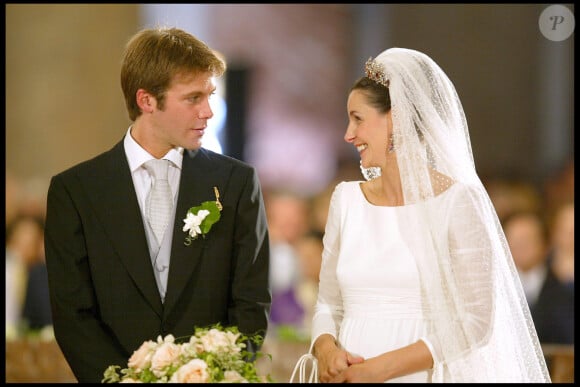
column 480, row 325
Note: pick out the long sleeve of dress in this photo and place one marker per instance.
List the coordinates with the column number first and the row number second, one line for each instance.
column 466, row 272
column 480, row 332
column 465, row 267
column 328, row 310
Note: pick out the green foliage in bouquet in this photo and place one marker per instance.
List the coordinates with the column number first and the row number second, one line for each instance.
column 211, row 355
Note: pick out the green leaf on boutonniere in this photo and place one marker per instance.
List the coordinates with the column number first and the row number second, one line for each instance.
column 213, row 216
column 200, row 219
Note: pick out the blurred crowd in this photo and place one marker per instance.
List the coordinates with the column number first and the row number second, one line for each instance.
column 27, row 299
column 538, row 223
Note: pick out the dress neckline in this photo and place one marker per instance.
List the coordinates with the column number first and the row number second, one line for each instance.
column 360, row 191
column 367, row 201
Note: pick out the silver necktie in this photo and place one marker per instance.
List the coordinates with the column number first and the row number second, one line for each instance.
column 160, row 199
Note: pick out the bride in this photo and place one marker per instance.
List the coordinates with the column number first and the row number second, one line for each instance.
column 417, row 283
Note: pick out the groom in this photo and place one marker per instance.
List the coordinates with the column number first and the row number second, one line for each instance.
column 114, row 283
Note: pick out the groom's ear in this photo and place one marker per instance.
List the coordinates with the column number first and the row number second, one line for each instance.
column 146, row 101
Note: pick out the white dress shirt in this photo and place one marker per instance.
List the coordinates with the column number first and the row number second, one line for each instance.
column 532, row 282
column 137, row 157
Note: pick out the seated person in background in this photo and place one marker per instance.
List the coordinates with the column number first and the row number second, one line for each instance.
column 309, row 249
column 551, row 302
column 37, row 313
column 287, row 214
column 561, row 256
column 24, row 246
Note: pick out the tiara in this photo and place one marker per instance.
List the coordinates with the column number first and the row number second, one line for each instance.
column 375, row 71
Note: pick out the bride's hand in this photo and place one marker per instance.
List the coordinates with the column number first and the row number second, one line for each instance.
column 368, row 371
column 333, row 362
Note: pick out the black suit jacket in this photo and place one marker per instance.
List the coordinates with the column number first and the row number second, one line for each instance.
column 553, row 311
column 36, row 309
column 104, row 297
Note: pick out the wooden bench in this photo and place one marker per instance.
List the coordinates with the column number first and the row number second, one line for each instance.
column 560, row 359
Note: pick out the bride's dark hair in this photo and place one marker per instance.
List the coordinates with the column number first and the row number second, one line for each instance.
column 377, row 94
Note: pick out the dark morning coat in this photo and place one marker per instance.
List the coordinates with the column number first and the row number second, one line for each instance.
column 553, row 311
column 104, row 297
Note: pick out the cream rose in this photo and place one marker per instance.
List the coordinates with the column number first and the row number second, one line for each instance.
column 141, row 358
column 195, row 346
column 195, row 371
column 215, row 339
column 233, row 377
column 165, row 355
column 129, row 380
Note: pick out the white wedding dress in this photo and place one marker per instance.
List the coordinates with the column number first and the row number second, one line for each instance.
column 437, row 269
column 370, row 294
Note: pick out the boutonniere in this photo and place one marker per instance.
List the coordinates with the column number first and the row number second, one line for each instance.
column 200, row 219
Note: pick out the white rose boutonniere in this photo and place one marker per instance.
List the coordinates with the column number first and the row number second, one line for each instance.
column 200, row 219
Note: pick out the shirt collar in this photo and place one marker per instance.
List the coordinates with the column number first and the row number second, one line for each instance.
column 137, row 156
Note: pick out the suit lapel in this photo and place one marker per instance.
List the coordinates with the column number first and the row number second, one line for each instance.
column 198, row 177
column 113, row 195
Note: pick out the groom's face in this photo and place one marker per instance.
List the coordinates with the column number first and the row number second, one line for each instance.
column 182, row 120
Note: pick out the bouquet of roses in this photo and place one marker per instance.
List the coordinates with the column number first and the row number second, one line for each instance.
column 212, row 355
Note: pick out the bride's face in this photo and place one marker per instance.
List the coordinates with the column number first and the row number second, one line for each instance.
column 368, row 130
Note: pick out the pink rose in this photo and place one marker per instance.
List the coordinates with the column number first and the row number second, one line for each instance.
column 216, row 340
column 195, row 371
column 141, row 358
column 165, row 355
